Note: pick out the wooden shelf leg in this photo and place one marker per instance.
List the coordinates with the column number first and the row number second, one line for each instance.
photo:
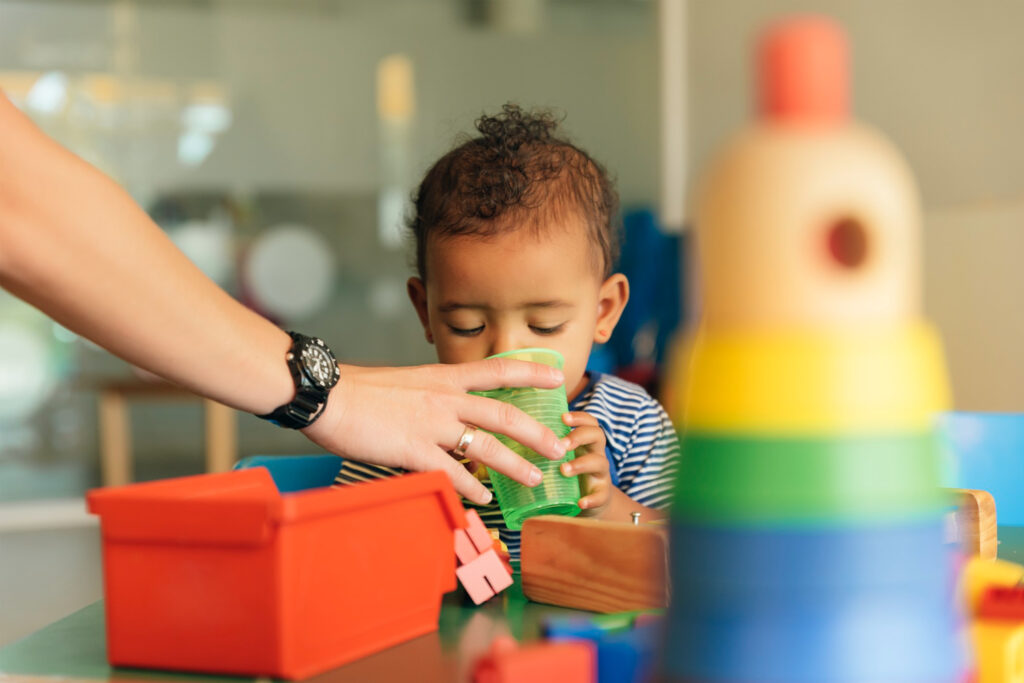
column 221, row 436
column 115, row 439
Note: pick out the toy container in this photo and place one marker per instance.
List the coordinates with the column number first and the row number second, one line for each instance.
column 221, row 573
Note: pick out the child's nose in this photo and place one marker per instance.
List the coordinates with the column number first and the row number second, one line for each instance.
column 503, row 342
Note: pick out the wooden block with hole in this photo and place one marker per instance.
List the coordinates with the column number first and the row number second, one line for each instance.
column 595, row 565
column 975, row 519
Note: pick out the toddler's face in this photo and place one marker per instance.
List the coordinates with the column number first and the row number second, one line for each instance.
column 487, row 295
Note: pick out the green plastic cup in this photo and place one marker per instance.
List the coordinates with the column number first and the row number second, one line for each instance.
column 557, row 494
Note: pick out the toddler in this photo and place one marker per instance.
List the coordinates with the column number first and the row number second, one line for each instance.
column 515, row 242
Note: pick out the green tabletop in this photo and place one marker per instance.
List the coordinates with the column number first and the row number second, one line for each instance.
column 75, row 646
column 1011, row 543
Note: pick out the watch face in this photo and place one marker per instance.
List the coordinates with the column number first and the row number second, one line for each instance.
column 319, row 365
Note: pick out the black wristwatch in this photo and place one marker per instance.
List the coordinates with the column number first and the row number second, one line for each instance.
column 314, row 371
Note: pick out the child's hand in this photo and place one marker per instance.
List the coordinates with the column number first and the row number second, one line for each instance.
column 588, row 440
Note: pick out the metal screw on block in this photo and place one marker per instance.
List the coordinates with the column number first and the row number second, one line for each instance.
column 636, row 518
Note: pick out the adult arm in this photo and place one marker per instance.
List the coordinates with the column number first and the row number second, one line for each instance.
column 76, row 246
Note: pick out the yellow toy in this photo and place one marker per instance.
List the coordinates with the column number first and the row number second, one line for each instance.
column 980, row 575
column 999, row 651
column 998, row 642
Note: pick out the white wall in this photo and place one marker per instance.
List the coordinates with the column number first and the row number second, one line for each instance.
column 301, row 78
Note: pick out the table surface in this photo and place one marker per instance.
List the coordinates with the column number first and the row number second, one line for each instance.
column 75, row 646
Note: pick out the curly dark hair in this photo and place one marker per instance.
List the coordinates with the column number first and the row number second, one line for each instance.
column 517, row 173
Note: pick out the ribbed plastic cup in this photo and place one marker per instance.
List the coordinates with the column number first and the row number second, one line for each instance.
column 556, row 494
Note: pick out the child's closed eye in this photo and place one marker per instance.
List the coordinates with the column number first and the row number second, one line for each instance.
column 539, row 329
column 466, row 332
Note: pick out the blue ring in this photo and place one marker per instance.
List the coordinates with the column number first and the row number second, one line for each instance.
column 793, row 560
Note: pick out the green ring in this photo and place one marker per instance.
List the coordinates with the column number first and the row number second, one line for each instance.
column 806, row 480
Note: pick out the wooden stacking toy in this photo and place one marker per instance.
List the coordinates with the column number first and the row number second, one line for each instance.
column 807, row 531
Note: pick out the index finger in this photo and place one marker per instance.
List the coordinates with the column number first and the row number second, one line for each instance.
column 500, row 373
column 503, row 418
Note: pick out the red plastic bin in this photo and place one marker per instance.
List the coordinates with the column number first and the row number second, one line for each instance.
column 220, row 573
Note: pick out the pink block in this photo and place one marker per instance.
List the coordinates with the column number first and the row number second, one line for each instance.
column 475, row 584
column 478, row 532
column 484, row 577
column 497, row 575
column 464, row 548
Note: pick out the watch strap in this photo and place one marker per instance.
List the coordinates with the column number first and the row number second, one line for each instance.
column 307, row 406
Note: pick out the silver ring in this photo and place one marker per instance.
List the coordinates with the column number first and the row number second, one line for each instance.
column 464, row 441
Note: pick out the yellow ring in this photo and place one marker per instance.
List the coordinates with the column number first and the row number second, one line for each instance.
column 874, row 379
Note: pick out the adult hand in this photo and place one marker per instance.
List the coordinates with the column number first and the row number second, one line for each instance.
column 412, row 417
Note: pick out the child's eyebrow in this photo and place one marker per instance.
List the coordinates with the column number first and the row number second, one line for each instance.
column 450, row 306
column 456, row 306
column 555, row 303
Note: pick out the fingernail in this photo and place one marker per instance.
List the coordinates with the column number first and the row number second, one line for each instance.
column 486, row 498
column 562, row 446
column 567, row 469
column 535, row 477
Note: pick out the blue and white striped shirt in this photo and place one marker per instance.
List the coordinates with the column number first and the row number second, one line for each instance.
column 642, row 450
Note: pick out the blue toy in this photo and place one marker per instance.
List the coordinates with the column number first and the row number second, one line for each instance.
column 296, row 472
column 626, row 650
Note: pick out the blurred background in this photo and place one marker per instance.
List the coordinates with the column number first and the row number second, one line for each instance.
column 277, row 142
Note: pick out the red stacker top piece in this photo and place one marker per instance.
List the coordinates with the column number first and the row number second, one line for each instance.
column 803, row 70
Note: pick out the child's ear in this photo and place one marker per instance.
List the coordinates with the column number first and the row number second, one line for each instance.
column 418, row 296
column 611, row 302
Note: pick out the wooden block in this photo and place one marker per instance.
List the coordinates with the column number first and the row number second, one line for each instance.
column 595, row 565
column 975, row 519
